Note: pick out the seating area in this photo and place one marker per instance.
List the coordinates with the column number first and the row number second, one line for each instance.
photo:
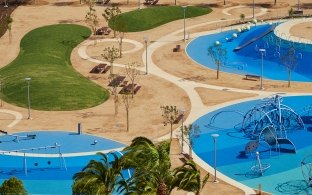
column 177, row 48
column 128, row 88
column 178, row 119
column 252, row 77
column 119, row 81
column 116, row 81
column 151, row 2
column 100, row 69
column 103, row 31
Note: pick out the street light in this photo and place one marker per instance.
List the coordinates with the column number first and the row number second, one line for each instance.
column 182, row 111
column 215, row 136
column 146, row 42
column 139, row 3
column 27, row 79
column 184, row 8
column 5, row 4
column 262, row 51
column 253, row 9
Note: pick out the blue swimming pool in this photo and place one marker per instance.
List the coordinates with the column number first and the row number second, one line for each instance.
column 43, row 168
column 248, row 59
column 284, row 175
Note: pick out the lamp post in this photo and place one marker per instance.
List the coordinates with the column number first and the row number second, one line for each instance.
column 27, row 79
column 5, row 4
column 184, row 8
column 262, row 51
column 146, row 42
column 139, row 3
column 253, row 9
column 215, row 136
column 182, row 111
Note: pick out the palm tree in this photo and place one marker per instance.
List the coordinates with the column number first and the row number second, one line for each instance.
column 99, row 177
column 151, row 165
column 187, row 177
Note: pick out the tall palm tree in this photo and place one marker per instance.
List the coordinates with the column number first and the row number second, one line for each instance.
column 99, row 177
column 151, row 165
column 187, row 177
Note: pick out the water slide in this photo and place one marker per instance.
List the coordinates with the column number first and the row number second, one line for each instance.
column 254, row 39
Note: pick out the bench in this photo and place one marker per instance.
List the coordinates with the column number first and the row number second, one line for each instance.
column 177, row 48
column 298, row 12
column 178, row 119
column 252, row 77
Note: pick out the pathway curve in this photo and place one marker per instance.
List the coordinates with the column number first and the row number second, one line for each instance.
column 283, row 30
column 226, row 10
column 18, row 116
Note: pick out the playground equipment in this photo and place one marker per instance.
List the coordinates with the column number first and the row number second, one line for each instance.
column 259, row 167
column 271, row 112
column 306, row 168
column 27, row 153
column 17, row 138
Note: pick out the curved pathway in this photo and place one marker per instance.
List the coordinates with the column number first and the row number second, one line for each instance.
column 18, row 116
column 283, row 30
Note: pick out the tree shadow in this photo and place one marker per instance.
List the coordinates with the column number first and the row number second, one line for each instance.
column 299, row 187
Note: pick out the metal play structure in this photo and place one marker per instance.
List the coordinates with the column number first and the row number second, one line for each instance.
column 271, row 112
column 306, row 168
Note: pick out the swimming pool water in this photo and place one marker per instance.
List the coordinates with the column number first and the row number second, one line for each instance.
column 285, row 168
column 248, row 59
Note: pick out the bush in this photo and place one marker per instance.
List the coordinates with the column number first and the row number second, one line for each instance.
column 12, row 186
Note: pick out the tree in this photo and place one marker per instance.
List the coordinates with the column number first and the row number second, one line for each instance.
column 12, row 186
column 132, row 72
column 114, row 86
column 187, row 178
column 110, row 54
column 170, row 115
column 9, row 23
column 91, row 17
column 218, row 55
column 122, row 28
column 98, row 177
column 289, row 60
column 152, row 169
column 151, row 165
column 189, row 133
column 242, row 18
column 127, row 101
column 110, row 14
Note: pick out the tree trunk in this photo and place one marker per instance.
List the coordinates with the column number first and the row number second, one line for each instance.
column 120, row 48
column 274, row 2
column 132, row 89
column 170, row 131
column 162, row 189
column 115, row 100
column 190, row 151
column 111, row 68
column 289, row 74
column 127, row 111
column 218, row 69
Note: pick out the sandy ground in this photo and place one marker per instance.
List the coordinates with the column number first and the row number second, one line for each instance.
column 145, row 114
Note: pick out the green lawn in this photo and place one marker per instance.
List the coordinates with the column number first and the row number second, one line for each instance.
column 145, row 19
column 55, row 85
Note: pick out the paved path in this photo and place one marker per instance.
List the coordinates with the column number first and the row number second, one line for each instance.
column 283, row 30
column 18, row 116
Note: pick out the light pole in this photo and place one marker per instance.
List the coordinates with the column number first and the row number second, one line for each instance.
column 182, row 111
column 215, row 136
column 146, row 42
column 5, row 4
column 27, row 79
column 253, row 9
column 184, row 8
column 262, row 51
column 139, row 3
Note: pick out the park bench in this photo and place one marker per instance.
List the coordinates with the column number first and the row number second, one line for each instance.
column 298, row 12
column 252, row 77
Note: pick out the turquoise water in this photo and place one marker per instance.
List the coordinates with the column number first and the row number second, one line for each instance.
column 248, row 60
column 50, row 175
column 283, row 177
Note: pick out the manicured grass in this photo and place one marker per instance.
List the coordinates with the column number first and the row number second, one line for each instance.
column 55, row 85
column 145, row 19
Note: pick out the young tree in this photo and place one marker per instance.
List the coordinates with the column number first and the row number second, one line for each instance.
column 110, row 54
column 289, row 60
column 189, row 133
column 242, row 18
column 91, row 17
column 132, row 73
column 170, row 115
column 127, row 101
column 9, row 23
column 12, row 186
column 218, row 55
column 114, row 87
column 121, row 28
column 110, row 14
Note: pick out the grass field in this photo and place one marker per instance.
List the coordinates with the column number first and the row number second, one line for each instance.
column 55, row 85
column 145, row 19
